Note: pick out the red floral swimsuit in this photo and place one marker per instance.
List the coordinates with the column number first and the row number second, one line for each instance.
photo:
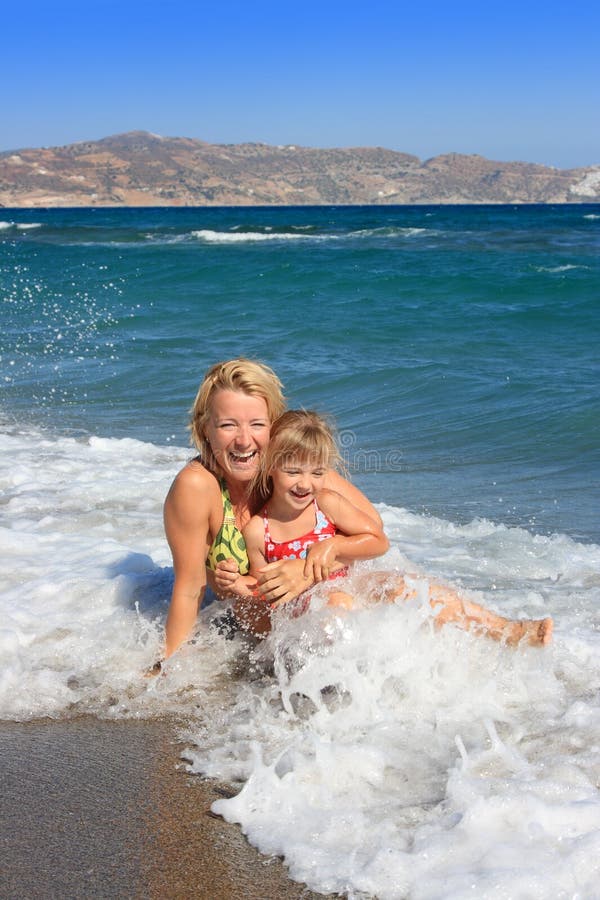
column 298, row 548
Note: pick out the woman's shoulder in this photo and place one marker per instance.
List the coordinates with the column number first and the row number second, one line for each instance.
column 333, row 481
column 329, row 501
column 328, row 497
column 194, row 482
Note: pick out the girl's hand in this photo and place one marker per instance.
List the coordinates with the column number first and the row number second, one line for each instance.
column 321, row 560
column 282, row 581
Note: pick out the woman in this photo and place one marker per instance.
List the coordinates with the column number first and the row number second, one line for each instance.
column 208, row 504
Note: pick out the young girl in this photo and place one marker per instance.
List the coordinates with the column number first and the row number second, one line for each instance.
column 300, row 520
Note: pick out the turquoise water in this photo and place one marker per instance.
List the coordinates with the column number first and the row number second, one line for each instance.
column 455, row 346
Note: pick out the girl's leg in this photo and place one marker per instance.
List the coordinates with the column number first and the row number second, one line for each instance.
column 467, row 614
column 450, row 607
column 340, row 599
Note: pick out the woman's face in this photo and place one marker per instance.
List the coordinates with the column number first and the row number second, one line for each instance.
column 238, row 431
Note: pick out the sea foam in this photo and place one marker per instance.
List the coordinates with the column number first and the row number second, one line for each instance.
column 241, row 237
column 374, row 752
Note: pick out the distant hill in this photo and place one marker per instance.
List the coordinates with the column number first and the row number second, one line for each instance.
column 142, row 169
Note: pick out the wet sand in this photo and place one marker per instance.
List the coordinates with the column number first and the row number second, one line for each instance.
column 100, row 809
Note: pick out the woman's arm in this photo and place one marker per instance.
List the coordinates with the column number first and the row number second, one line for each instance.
column 359, row 537
column 187, row 527
column 333, row 481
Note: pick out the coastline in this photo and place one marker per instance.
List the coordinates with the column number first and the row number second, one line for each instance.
column 105, row 809
column 135, row 169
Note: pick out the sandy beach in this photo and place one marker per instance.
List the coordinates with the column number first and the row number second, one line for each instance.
column 105, row 809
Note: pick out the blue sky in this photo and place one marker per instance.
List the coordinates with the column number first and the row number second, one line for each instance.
column 511, row 81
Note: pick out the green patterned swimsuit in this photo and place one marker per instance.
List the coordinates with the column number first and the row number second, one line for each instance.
column 229, row 542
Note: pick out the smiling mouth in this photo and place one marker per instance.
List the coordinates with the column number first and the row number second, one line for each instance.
column 241, row 458
column 300, row 496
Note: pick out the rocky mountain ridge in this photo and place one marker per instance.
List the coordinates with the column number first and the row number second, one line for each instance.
column 143, row 169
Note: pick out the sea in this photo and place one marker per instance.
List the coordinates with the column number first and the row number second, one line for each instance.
column 456, row 348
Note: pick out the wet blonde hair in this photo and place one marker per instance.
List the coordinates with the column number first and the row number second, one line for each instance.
column 246, row 376
column 298, row 435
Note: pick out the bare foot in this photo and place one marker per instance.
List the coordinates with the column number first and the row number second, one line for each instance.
column 535, row 632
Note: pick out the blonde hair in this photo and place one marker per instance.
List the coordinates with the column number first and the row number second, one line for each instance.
column 298, row 434
column 246, row 376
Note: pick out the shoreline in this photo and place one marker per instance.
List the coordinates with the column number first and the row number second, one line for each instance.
column 104, row 808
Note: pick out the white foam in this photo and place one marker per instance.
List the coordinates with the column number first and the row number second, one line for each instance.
column 567, row 267
column 409, row 762
column 377, row 753
column 20, row 226
column 86, row 576
column 405, row 761
column 392, row 231
column 237, row 237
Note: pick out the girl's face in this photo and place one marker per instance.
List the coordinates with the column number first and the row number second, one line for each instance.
column 238, row 432
column 298, row 481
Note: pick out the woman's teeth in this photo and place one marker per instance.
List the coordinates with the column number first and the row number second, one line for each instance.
column 242, row 457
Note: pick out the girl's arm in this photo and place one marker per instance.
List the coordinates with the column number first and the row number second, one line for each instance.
column 253, row 610
column 284, row 580
column 254, row 535
column 359, row 537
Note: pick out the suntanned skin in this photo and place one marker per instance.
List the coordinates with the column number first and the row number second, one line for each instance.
column 291, row 514
column 193, row 514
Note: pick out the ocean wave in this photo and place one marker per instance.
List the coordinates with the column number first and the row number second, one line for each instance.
column 300, row 234
column 238, row 237
column 238, row 234
column 81, row 538
column 408, row 736
column 392, row 231
column 270, row 229
column 555, row 270
column 20, row 226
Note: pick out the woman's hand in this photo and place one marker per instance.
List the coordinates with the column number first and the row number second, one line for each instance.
column 282, row 581
column 226, row 575
column 229, row 582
